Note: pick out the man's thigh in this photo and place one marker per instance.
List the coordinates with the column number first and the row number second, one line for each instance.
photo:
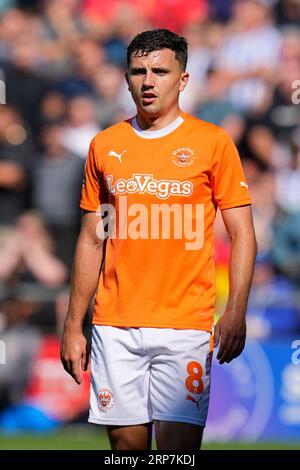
column 178, row 436
column 137, row 437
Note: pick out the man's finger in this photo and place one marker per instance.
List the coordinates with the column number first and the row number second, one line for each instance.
column 85, row 361
column 75, row 371
column 224, row 344
column 234, row 351
column 225, row 350
column 224, row 356
column 66, row 364
column 229, row 357
column 239, row 348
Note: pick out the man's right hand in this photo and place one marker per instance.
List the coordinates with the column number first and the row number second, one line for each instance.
column 74, row 353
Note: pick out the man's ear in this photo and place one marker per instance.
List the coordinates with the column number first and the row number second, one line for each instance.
column 127, row 80
column 183, row 80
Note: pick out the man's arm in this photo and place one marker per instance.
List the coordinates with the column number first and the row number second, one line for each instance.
column 230, row 330
column 85, row 274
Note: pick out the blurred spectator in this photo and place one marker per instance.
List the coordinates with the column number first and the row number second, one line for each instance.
column 282, row 115
column 107, row 82
column 248, row 58
column 288, row 183
column 264, row 211
column 81, row 126
column 288, row 12
column 53, row 109
column 13, row 24
column 286, row 247
column 217, row 109
column 199, row 61
column 37, row 250
column 24, row 87
column 21, row 342
column 266, row 148
column 62, row 20
column 29, row 247
column 16, row 163
column 87, row 57
column 220, row 10
column 56, row 191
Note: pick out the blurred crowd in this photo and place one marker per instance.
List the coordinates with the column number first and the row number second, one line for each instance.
column 63, row 63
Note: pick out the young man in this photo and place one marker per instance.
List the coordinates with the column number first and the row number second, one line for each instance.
column 158, row 179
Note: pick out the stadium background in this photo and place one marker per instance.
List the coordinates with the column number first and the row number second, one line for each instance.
column 62, row 63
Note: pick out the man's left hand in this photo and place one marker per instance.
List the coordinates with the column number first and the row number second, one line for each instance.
column 230, row 332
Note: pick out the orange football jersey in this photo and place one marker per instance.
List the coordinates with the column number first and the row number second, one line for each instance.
column 163, row 193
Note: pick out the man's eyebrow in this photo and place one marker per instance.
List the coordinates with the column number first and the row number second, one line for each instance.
column 154, row 69
column 137, row 69
column 160, row 69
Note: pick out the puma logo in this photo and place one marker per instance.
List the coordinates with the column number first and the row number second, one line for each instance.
column 197, row 402
column 111, row 153
column 243, row 184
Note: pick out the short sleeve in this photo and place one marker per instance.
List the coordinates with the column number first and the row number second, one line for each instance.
column 91, row 186
column 229, row 185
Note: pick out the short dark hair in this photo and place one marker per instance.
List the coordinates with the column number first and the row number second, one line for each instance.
column 157, row 39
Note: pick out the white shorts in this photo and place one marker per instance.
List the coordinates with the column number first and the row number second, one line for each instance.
column 143, row 374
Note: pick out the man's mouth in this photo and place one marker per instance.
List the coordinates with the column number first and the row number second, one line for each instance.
column 148, row 97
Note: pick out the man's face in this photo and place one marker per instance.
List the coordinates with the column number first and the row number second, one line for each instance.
column 155, row 81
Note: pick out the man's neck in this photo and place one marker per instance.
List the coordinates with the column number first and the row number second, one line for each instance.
column 149, row 123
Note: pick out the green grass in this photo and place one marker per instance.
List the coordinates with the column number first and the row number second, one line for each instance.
column 94, row 438
column 76, row 437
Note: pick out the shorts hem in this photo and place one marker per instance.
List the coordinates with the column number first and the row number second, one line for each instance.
column 119, row 422
column 179, row 419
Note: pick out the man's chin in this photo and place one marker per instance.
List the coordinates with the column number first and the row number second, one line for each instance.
column 150, row 109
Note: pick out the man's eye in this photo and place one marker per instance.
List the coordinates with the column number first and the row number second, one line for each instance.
column 137, row 72
column 161, row 72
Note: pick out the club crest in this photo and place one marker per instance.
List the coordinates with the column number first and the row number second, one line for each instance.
column 183, row 156
column 105, row 399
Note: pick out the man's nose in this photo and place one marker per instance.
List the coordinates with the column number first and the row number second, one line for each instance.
column 148, row 80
